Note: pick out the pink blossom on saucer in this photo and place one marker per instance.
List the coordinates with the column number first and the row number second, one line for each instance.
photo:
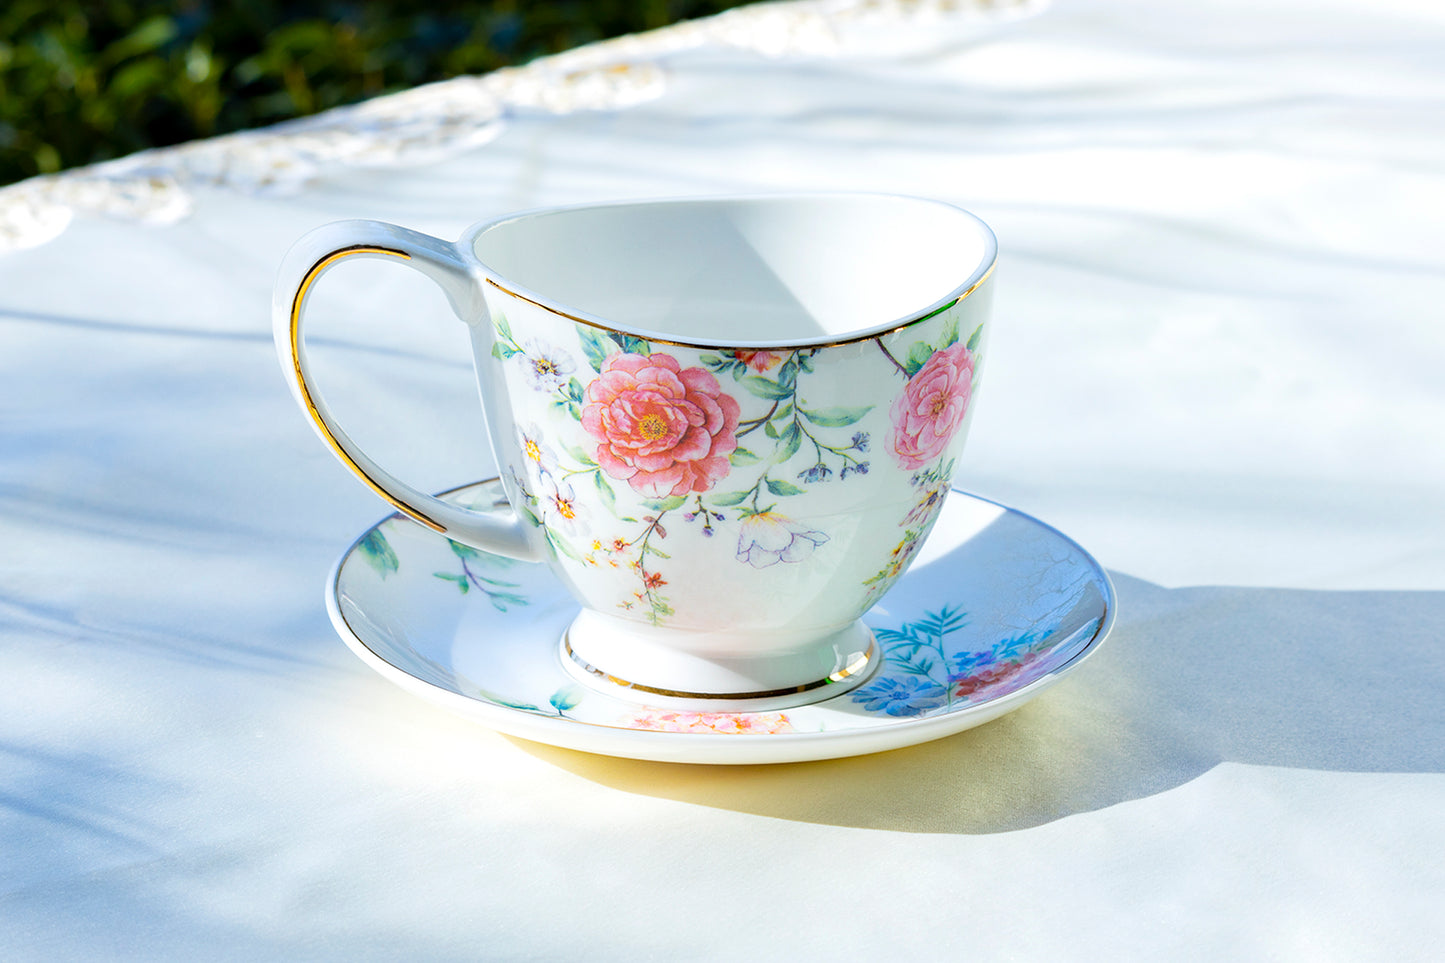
column 722, row 723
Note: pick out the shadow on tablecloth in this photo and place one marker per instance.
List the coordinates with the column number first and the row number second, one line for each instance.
column 1189, row 678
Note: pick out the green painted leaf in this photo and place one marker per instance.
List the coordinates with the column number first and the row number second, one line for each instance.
column 712, row 360
column 635, row 345
column 950, row 334
column 502, row 351
column 770, row 431
column 835, row 417
column 918, row 356
column 764, row 388
column 609, row 497
column 566, row 697
column 560, row 544
column 462, row 582
column 500, row 600
column 595, row 345
column 974, row 338
column 378, row 553
column 791, row 440
column 783, row 488
column 574, row 390
column 505, row 330
column 579, row 455
column 665, row 504
column 805, row 361
column 741, row 456
column 463, row 551
column 788, row 374
column 729, row 499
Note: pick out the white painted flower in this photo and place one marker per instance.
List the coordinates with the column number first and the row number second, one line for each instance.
column 547, row 368
column 768, row 538
column 537, row 458
column 562, row 510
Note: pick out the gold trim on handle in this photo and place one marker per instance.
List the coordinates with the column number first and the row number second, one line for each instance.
column 310, row 403
column 701, row 346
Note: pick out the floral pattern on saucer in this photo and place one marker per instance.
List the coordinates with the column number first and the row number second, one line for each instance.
column 961, row 641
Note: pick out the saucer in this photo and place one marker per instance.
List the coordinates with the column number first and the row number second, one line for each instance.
column 996, row 608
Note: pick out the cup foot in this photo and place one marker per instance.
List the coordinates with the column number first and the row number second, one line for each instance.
column 657, row 672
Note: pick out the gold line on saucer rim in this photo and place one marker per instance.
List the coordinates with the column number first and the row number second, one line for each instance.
column 864, row 661
column 852, row 339
column 296, row 304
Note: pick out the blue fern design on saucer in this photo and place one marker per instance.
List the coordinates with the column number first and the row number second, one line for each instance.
column 922, row 673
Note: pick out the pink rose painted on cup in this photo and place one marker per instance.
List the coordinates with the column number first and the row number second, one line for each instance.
column 932, row 407
column 666, row 429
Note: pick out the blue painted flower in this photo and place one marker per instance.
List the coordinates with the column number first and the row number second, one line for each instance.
column 909, row 696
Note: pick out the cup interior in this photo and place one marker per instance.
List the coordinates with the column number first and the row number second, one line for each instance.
column 742, row 271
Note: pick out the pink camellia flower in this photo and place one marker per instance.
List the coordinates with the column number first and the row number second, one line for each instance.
column 666, row 429
column 929, row 412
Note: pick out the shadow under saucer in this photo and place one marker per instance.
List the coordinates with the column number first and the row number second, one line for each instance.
column 1345, row 681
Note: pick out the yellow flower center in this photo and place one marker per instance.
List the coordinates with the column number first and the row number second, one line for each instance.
column 652, row 427
column 533, row 450
column 565, row 508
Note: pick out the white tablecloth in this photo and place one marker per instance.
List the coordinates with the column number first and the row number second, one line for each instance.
column 1217, row 363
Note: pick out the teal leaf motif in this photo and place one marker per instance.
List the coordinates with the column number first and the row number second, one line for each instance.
column 788, row 374
column 950, row 334
column 764, row 388
column 783, row 488
column 560, row 544
column 741, row 456
column 635, row 345
column 835, row 417
column 579, row 455
column 378, row 553
column 597, row 346
column 566, row 697
column 974, row 338
column 462, row 582
column 792, row 439
column 917, row 357
column 729, row 499
column 665, row 504
column 464, row 551
column 609, row 497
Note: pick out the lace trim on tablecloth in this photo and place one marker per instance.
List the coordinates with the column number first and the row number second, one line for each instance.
column 438, row 119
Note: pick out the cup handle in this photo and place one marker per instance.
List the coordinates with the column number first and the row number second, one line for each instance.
column 504, row 533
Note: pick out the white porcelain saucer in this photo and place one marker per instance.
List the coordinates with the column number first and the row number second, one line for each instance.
column 997, row 607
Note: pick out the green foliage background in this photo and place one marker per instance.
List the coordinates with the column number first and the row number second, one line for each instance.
column 87, row 80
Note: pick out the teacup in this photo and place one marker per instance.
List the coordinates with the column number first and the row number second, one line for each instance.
column 727, row 424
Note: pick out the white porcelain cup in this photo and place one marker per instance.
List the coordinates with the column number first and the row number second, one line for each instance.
column 725, row 423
